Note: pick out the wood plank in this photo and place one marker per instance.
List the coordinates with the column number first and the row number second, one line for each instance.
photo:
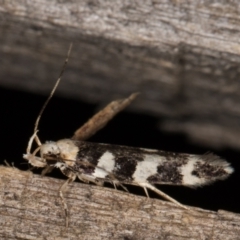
column 31, row 209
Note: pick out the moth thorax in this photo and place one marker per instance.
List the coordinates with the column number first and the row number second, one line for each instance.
column 68, row 151
column 49, row 149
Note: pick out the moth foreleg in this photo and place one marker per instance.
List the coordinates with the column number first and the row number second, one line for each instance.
column 35, row 161
column 162, row 194
column 61, row 191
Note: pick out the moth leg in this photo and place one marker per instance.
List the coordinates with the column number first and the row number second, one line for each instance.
column 123, row 187
column 82, row 179
column 35, row 161
column 61, row 190
column 47, row 169
column 87, row 179
column 114, row 184
column 162, row 194
column 100, row 119
column 146, row 191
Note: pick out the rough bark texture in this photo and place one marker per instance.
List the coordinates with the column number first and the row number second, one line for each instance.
column 31, row 209
column 183, row 56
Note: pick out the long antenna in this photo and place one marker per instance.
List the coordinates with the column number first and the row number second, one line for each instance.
column 51, row 94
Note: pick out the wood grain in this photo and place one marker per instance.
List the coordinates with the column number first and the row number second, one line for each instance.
column 31, row 209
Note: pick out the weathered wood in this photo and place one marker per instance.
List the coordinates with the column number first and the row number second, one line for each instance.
column 182, row 55
column 31, row 209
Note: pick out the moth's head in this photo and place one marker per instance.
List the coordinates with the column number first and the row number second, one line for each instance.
column 64, row 150
column 50, row 149
column 50, row 152
column 49, row 155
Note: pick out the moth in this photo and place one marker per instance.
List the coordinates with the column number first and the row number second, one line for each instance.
column 120, row 165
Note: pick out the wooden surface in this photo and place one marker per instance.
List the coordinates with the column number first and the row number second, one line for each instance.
column 31, row 209
column 183, row 56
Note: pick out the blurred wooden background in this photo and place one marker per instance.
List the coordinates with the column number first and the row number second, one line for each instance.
column 182, row 56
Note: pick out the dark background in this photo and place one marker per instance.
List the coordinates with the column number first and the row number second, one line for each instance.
column 63, row 116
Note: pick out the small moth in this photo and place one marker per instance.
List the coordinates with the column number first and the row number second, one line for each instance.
column 120, row 165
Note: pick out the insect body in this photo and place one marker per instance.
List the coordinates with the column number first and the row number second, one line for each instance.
column 99, row 163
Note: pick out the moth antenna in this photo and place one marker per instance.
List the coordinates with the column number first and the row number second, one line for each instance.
column 50, row 96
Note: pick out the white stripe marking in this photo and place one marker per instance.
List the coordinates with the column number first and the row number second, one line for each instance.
column 186, row 171
column 106, row 162
column 147, row 167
